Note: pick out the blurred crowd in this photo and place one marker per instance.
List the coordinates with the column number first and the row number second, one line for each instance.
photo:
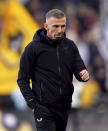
column 87, row 27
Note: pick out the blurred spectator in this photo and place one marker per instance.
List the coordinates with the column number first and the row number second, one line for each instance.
column 92, row 3
column 50, row 4
column 35, row 8
column 23, row 1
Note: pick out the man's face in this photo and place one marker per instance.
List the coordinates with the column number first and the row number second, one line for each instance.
column 55, row 27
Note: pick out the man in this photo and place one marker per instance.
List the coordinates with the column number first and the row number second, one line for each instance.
column 50, row 61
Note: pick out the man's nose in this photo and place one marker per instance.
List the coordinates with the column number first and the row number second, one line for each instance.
column 59, row 29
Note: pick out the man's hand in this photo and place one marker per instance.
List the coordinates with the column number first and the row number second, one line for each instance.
column 84, row 75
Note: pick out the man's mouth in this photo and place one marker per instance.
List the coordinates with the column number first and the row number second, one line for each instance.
column 59, row 35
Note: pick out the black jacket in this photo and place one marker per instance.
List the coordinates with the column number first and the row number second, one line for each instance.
column 50, row 66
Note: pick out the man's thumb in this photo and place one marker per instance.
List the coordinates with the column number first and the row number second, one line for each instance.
column 81, row 73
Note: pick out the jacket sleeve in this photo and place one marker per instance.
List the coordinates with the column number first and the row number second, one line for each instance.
column 78, row 64
column 25, row 74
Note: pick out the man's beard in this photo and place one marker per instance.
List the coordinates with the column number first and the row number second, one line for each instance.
column 58, row 37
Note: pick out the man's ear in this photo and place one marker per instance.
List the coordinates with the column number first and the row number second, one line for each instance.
column 45, row 26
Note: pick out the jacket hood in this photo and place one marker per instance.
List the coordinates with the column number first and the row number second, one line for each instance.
column 41, row 35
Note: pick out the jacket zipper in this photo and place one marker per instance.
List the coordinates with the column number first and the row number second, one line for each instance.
column 59, row 69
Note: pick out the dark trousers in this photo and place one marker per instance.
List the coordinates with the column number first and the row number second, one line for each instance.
column 48, row 119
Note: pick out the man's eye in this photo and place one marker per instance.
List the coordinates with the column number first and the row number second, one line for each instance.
column 62, row 26
column 56, row 26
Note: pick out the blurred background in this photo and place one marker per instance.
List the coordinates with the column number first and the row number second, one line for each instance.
column 87, row 25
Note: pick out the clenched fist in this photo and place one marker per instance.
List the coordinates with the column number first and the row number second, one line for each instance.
column 84, row 75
